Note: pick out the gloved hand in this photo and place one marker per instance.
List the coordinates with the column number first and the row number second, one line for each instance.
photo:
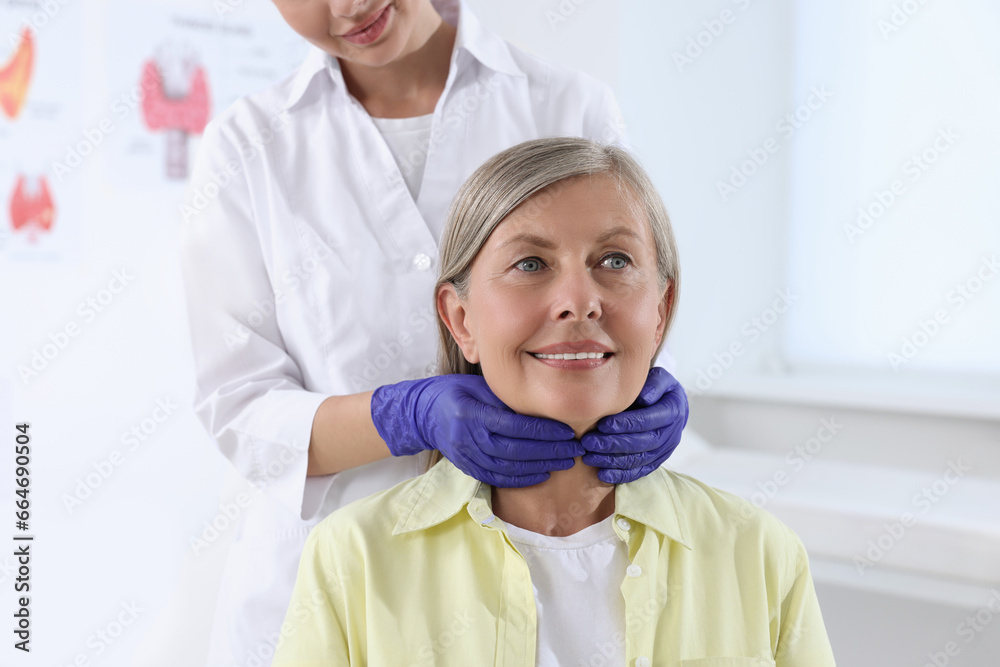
column 463, row 419
column 633, row 443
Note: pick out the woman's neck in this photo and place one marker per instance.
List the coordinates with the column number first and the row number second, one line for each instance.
column 410, row 85
column 566, row 503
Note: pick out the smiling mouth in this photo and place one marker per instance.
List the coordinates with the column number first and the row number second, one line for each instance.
column 572, row 355
column 367, row 25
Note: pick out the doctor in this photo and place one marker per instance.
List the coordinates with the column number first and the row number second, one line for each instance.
column 308, row 251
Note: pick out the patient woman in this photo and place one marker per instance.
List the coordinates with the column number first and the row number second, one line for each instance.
column 558, row 284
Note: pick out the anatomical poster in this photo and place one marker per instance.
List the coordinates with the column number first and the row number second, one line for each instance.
column 171, row 70
column 40, row 91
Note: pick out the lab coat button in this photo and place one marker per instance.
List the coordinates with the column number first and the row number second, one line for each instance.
column 642, row 661
column 422, row 262
column 624, row 524
column 633, row 570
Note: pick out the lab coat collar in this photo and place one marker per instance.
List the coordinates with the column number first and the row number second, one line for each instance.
column 472, row 37
column 444, row 491
column 479, row 41
column 316, row 61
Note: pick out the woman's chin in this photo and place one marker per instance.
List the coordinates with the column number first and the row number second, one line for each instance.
column 579, row 420
column 580, row 410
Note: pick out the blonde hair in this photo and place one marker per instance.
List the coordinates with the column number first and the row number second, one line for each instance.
column 534, row 170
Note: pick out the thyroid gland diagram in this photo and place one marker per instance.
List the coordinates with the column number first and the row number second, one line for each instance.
column 31, row 207
column 176, row 101
column 15, row 75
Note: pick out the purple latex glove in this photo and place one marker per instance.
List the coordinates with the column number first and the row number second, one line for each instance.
column 633, row 443
column 463, row 419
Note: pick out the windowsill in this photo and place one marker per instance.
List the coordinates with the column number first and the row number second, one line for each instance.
column 968, row 396
column 840, row 508
column 904, row 584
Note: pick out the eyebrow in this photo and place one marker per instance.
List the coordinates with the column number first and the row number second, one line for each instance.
column 542, row 242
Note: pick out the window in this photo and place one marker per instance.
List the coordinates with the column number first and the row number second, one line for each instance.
column 894, row 205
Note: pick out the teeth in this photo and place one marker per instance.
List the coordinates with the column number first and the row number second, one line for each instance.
column 572, row 355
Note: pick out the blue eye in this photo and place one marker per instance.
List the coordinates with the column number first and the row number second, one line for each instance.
column 617, row 262
column 529, row 265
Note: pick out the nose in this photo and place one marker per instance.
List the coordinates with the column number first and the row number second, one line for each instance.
column 347, row 9
column 577, row 296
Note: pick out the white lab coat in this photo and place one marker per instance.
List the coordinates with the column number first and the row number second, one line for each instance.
column 309, row 271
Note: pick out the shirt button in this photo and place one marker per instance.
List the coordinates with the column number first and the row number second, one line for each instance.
column 642, row 661
column 422, row 262
column 624, row 524
column 633, row 570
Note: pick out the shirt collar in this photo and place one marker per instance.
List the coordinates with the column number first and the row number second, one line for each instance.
column 316, row 61
column 444, row 491
column 472, row 37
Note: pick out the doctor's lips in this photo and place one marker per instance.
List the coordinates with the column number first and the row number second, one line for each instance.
column 371, row 29
column 584, row 350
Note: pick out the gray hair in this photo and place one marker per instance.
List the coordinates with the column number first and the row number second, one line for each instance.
column 512, row 176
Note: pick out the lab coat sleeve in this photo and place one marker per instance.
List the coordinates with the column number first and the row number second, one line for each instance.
column 604, row 121
column 802, row 638
column 249, row 391
column 314, row 633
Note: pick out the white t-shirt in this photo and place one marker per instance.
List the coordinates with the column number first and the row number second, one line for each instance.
column 408, row 140
column 577, row 582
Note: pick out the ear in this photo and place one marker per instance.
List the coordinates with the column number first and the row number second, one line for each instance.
column 455, row 315
column 664, row 307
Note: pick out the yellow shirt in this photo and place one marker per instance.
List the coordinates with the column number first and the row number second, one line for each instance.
column 425, row 574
